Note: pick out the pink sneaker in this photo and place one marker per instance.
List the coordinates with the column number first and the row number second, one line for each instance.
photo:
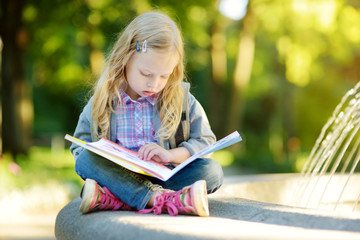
column 95, row 197
column 189, row 200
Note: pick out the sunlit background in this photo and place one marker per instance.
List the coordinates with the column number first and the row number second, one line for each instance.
column 273, row 70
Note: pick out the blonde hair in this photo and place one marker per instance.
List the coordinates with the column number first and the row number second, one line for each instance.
column 161, row 34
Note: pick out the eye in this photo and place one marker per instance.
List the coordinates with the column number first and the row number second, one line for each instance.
column 145, row 74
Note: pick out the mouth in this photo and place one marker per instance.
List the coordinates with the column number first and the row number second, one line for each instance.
column 148, row 93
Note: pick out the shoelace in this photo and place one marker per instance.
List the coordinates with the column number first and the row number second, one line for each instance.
column 169, row 201
column 109, row 201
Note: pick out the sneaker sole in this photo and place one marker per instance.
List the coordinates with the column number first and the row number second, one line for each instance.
column 200, row 198
column 88, row 195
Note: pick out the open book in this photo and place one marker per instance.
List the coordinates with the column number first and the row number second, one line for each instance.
column 129, row 159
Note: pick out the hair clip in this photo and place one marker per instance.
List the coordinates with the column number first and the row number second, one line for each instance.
column 144, row 46
column 137, row 46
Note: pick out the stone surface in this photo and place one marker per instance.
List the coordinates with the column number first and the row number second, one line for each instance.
column 231, row 217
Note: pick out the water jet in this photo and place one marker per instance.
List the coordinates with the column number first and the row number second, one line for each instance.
column 329, row 175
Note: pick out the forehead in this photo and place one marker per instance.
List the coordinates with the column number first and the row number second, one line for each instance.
column 157, row 62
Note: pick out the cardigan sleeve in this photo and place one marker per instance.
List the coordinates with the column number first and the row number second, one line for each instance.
column 83, row 129
column 201, row 134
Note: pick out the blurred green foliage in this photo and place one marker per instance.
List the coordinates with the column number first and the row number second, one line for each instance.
column 306, row 56
column 43, row 167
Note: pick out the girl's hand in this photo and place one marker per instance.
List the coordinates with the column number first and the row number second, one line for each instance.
column 154, row 151
column 160, row 154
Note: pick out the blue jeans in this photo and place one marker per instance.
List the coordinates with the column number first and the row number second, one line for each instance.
column 136, row 189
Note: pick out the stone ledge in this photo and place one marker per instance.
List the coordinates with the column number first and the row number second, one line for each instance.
column 230, row 218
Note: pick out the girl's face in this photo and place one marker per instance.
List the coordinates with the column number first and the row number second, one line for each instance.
column 148, row 72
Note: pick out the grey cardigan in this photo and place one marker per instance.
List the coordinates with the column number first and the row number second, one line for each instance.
column 193, row 132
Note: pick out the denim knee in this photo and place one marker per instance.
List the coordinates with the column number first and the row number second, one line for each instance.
column 88, row 165
column 214, row 175
column 80, row 164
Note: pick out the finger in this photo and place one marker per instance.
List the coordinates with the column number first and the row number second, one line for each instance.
column 157, row 159
column 152, row 151
column 152, row 154
column 145, row 150
column 141, row 152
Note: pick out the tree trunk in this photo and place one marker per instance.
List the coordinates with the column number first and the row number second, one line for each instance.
column 242, row 72
column 219, row 76
column 17, row 110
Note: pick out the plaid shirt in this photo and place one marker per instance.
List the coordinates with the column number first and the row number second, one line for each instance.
column 134, row 126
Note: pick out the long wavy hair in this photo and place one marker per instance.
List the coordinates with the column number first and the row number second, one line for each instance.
column 161, row 34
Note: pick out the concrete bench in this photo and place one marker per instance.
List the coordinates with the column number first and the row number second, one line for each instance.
column 231, row 217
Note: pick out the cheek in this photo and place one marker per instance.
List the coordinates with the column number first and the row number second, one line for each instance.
column 163, row 83
column 134, row 80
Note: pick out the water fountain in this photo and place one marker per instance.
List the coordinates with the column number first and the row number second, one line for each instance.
column 328, row 177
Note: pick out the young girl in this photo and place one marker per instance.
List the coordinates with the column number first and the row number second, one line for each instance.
column 141, row 102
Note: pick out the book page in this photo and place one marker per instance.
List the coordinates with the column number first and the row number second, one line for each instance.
column 222, row 143
column 118, row 151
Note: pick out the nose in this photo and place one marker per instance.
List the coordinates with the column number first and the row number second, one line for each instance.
column 153, row 82
column 150, row 85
